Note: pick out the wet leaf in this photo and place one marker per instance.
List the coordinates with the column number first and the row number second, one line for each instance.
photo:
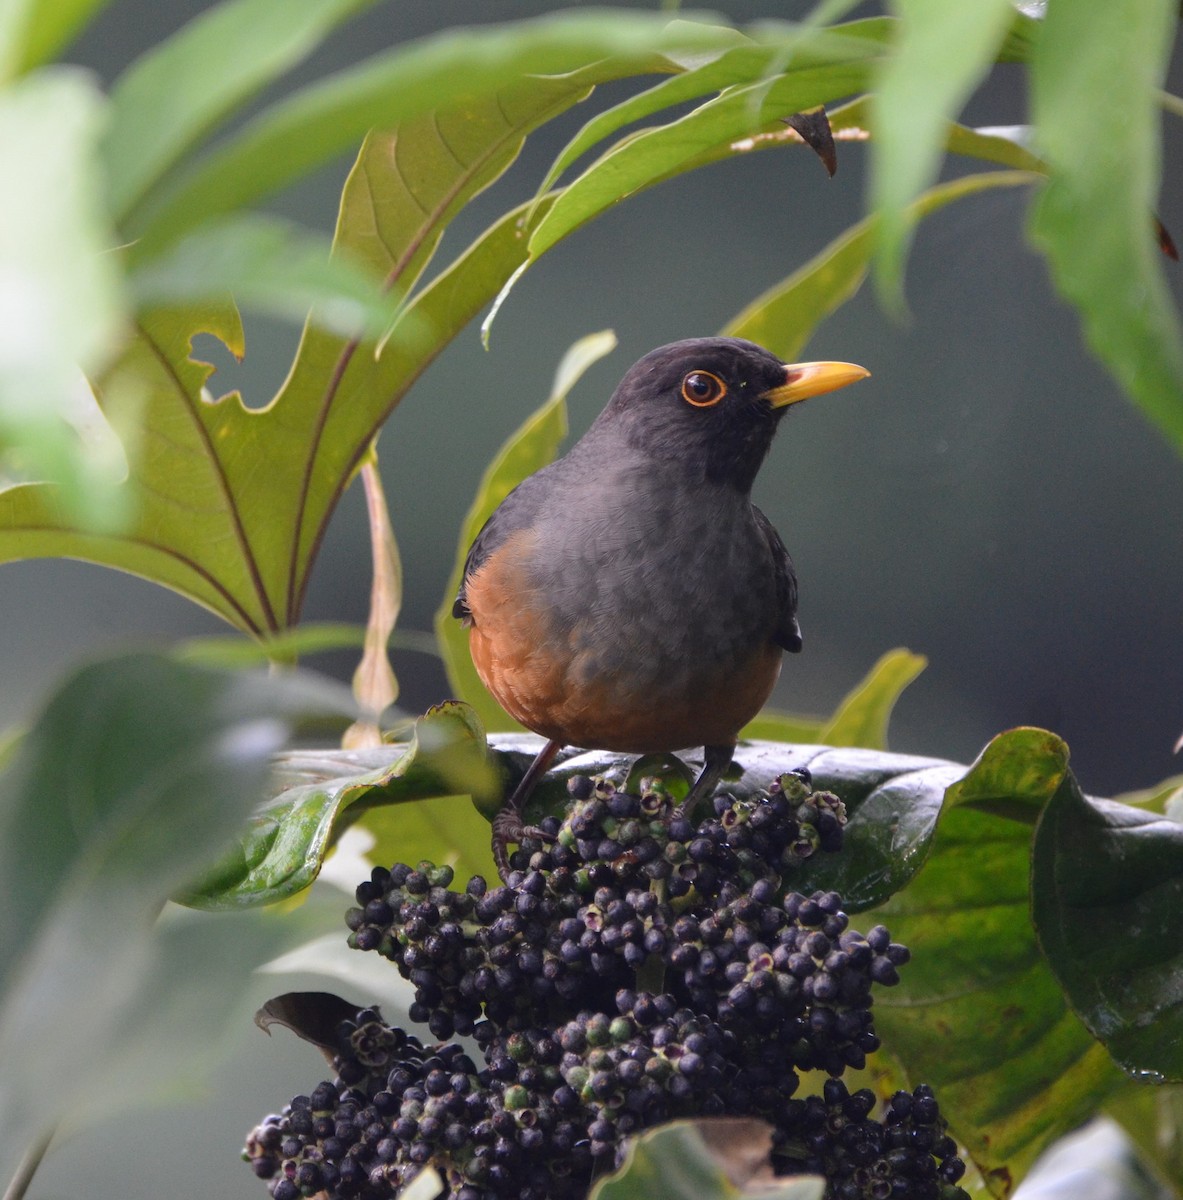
column 1107, row 891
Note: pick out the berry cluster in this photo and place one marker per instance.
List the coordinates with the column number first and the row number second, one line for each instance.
column 635, row 967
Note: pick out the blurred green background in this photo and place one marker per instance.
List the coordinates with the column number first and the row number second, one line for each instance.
column 988, row 499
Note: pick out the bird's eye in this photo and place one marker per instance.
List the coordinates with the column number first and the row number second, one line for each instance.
column 702, row 389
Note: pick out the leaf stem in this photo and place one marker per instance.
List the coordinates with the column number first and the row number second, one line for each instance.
column 27, row 1168
column 1171, row 103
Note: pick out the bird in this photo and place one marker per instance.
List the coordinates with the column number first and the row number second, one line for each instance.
column 629, row 596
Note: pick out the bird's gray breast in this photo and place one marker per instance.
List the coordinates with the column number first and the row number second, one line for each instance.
column 653, row 582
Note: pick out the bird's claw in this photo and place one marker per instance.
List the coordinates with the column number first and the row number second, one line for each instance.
column 508, row 828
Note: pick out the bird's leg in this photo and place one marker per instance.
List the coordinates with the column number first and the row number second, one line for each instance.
column 715, row 761
column 507, row 824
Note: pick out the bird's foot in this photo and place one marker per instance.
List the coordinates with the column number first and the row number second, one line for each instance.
column 508, row 830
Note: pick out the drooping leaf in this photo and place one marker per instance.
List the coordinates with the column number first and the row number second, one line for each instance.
column 281, row 849
column 270, row 266
column 1103, row 71
column 940, row 54
column 136, row 772
column 60, row 293
column 701, row 1160
column 303, row 131
column 174, row 95
column 978, row 1013
column 862, row 717
column 1106, row 898
column 529, row 448
column 784, row 317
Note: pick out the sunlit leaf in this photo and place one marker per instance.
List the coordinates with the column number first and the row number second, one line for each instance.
column 174, row 95
column 940, row 54
column 1107, row 891
column 978, row 1013
column 284, row 844
column 135, row 773
column 534, row 444
column 1102, row 71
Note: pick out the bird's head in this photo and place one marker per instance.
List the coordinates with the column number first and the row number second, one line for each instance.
column 711, row 405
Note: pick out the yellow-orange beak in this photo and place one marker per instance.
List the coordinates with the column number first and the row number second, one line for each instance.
column 803, row 380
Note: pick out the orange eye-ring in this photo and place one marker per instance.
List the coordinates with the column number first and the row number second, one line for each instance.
column 702, row 389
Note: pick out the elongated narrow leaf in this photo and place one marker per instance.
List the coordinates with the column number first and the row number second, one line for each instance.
column 136, row 772
column 173, row 96
column 270, row 266
column 940, row 54
column 785, row 316
column 281, row 850
column 1107, row 893
column 1093, row 221
column 300, row 133
column 862, row 717
column 978, row 1013
column 530, row 447
column 33, row 31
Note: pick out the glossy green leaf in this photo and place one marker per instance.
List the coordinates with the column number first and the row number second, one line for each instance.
column 529, row 448
column 862, row 717
column 33, row 31
column 978, row 1013
column 710, row 1159
column 60, row 293
column 451, row 70
column 1106, row 894
column 270, row 266
column 941, row 53
column 1093, row 220
column 136, row 771
column 784, row 317
column 282, row 848
column 182, row 89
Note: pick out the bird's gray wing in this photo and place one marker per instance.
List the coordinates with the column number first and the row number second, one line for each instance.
column 787, row 632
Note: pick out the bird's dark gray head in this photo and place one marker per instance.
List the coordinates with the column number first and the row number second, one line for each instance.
column 712, row 405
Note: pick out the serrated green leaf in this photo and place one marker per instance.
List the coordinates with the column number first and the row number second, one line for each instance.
column 978, row 1013
column 454, row 69
column 270, row 266
column 284, row 844
column 940, row 54
column 1093, row 220
column 784, row 317
column 177, row 93
column 61, row 293
column 534, row 444
column 1106, row 894
column 676, row 1162
column 134, row 774
column 33, row 31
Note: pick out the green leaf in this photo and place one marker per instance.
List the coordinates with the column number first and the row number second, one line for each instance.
column 270, row 266
column 941, row 53
column 1106, row 893
column 784, row 317
column 453, row 70
column 709, row 1159
column 136, row 771
column 59, row 289
column 309, row 638
column 1093, row 220
column 33, row 31
column 775, row 726
column 978, row 1014
column 727, row 125
column 534, row 444
column 182, row 89
column 284, row 844
column 862, row 717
